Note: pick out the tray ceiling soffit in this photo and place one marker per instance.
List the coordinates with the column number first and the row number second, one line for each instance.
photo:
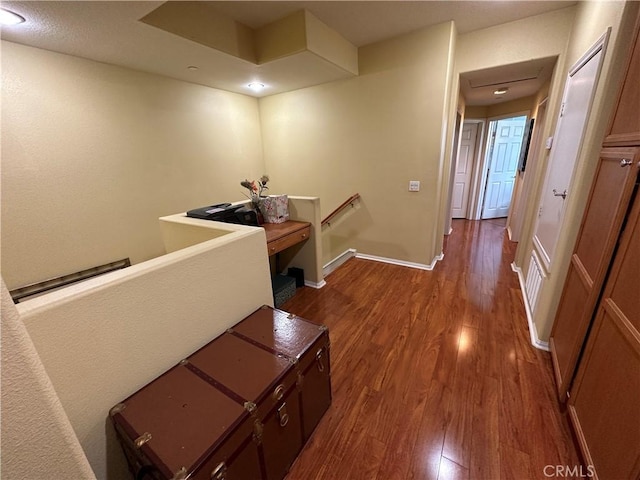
column 297, row 47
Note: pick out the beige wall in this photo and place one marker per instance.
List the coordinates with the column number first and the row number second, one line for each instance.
column 534, row 37
column 591, row 21
column 93, row 154
column 567, row 33
column 38, row 441
column 518, row 105
column 475, row 111
column 539, row 36
column 370, row 135
column 374, row 133
column 307, row 255
column 103, row 339
column 453, row 116
column 127, row 147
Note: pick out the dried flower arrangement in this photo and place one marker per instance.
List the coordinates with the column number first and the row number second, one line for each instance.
column 256, row 188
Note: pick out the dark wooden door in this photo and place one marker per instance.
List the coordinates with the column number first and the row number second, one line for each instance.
column 625, row 126
column 604, row 403
column 604, row 214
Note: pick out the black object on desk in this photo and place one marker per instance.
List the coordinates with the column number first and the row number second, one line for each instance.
column 225, row 212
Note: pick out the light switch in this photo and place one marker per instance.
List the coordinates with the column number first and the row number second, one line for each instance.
column 414, row 185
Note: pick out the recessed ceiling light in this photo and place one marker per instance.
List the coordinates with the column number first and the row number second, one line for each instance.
column 192, row 67
column 256, row 86
column 500, row 91
column 9, row 18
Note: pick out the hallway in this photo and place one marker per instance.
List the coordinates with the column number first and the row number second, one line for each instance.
column 433, row 373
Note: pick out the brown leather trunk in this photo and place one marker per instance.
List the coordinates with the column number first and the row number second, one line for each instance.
column 306, row 345
column 241, row 407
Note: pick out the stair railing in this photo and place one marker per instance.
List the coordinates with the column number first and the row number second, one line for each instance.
column 345, row 204
column 39, row 288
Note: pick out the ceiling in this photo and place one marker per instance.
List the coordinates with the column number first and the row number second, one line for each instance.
column 519, row 79
column 110, row 32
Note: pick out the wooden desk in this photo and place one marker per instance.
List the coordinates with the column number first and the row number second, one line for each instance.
column 281, row 236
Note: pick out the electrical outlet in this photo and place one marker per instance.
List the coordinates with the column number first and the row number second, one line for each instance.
column 414, row 185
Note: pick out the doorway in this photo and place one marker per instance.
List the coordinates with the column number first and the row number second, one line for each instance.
column 464, row 168
column 503, row 152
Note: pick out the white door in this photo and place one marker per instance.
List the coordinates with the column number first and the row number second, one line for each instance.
column 576, row 103
column 503, row 164
column 464, row 166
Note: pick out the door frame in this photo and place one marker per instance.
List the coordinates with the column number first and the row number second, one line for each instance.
column 515, row 222
column 483, row 165
column 448, row 228
column 599, row 47
column 480, row 133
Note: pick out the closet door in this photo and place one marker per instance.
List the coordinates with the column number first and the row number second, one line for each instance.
column 604, row 407
column 625, row 127
column 605, row 211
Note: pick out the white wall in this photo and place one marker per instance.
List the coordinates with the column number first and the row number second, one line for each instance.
column 103, row 339
column 93, row 154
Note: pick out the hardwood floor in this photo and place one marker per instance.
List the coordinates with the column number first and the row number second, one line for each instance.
column 433, row 373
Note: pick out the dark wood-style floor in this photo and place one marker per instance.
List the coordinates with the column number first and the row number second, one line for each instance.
column 433, row 373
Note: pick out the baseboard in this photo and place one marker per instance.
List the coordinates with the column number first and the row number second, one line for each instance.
column 509, row 233
column 339, row 260
column 317, row 285
column 437, row 259
column 402, row 263
column 352, row 252
column 533, row 333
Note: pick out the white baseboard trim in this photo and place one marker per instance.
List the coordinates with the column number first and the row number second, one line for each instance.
column 533, row 333
column 352, row 252
column 339, row 260
column 317, row 285
column 402, row 263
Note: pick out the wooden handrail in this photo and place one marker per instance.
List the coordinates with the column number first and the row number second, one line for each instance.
column 349, row 201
